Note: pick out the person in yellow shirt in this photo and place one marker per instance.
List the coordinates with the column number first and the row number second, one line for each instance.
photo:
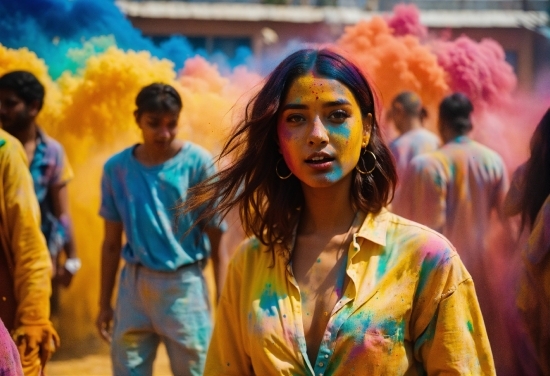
column 331, row 283
column 22, row 97
column 25, row 265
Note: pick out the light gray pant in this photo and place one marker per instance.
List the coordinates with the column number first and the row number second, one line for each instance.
column 157, row 306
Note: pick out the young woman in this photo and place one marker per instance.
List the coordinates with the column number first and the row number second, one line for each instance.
column 529, row 196
column 331, row 283
column 162, row 294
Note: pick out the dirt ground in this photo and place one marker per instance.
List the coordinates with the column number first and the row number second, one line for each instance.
column 100, row 365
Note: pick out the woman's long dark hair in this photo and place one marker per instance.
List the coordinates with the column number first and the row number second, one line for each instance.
column 536, row 179
column 268, row 205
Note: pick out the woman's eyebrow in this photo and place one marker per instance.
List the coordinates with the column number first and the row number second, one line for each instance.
column 338, row 102
column 294, row 106
column 299, row 106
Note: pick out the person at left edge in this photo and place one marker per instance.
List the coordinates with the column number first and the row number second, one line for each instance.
column 22, row 97
column 162, row 294
column 25, row 266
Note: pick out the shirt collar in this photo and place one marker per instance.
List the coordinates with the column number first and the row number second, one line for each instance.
column 41, row 146
column 461, row 139
column 374, row 227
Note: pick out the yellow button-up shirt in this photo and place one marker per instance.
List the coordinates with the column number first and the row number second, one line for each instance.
column 409, row 309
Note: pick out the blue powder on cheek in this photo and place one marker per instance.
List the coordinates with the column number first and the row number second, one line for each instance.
column 341, row 131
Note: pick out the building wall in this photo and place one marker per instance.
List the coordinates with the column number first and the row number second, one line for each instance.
column 517, row 42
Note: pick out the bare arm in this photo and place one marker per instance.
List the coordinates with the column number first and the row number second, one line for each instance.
column 219, row 258
column 110, row 259
column 60, row 200
column 60, row 203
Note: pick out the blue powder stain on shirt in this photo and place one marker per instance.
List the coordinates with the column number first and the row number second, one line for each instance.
column 382, row 266
column 269, row 301
column 393, row 328
column 430, row 263
column 428, row 334
column 357, row 325
column 470, row 326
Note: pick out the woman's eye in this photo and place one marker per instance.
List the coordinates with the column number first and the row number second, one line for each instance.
column 339, row 115
column 295, row 118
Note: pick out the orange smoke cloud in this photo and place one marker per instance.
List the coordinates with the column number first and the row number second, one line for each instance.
column 395, row 63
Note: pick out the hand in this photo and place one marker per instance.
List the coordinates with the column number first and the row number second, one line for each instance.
column 63, row 276
column 104, row 323
column 31, row 339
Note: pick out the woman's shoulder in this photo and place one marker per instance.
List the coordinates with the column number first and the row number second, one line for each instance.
column 252, row 253
column 249, row 247
column 433, row 257
column 417, row 240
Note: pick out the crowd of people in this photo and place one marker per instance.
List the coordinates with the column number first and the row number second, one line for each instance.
column 360, row 256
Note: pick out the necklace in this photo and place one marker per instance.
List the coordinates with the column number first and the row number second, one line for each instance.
column 338, row 275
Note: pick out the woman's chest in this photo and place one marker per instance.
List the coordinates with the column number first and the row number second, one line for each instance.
column 370, row 332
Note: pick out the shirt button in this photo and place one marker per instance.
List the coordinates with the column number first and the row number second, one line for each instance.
column 321, row 364
column 326, row 356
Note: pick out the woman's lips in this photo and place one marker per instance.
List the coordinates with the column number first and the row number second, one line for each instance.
column 320, row 162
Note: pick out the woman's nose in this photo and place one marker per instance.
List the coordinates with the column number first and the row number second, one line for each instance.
column 319, row 133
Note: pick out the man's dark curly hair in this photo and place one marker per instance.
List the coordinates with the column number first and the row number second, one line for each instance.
column 25, row 85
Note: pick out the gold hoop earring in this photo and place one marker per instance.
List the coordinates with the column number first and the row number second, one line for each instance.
column 277, row 171
column 362, row 172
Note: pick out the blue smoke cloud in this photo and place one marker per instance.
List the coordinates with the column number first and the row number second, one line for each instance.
column 56, row 30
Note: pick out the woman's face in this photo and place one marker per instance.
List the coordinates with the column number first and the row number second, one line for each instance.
column 158, row 128
column 320, row 130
